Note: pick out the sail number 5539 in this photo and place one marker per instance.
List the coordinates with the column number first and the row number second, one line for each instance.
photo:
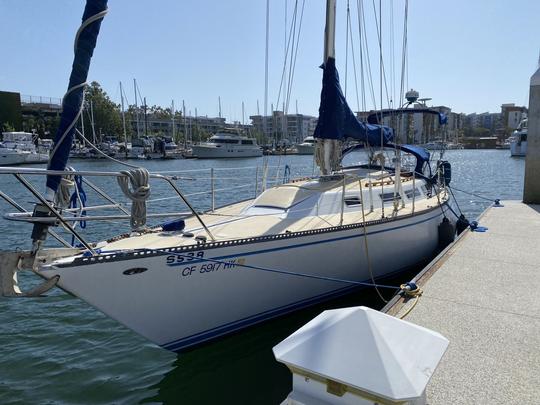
column 184, row 258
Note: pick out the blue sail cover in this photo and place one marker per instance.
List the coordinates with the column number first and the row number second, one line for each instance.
column 84, row 49
column 336, row 119
column 376, row 116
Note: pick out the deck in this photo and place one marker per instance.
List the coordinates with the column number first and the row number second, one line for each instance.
column 482, row 293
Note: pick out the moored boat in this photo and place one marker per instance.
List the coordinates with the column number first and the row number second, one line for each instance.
column 204, row 275
column 518, row 140
column 227, row 144
column 20, row 148
column 307, row 147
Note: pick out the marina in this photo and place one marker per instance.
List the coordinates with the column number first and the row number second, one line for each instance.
column 363, row 255
column 96, row 347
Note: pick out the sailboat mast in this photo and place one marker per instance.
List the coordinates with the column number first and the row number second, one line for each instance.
column 329, row 146
column 330, row 31
column 136, row 107
column 145, row 119
column 92, row 122
column 185, row 123
column 172, row 118
column 123, row 119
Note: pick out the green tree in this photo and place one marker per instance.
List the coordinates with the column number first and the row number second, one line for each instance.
column 107, row 114
column 7, row 127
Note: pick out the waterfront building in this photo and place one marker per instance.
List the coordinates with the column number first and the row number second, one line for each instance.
column 511, row 116
column 279, row 126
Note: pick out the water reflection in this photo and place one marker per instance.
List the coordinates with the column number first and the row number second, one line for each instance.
column 241, row 368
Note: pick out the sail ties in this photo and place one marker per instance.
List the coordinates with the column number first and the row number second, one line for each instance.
column 138, row 193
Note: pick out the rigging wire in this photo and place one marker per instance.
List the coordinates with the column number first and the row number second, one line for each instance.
column 378, row 26
column 404, row 58
column 368, row 59
column 292, row 66
column 347, row 46
column 362, row 84
column 350, row 33
column 266, row 62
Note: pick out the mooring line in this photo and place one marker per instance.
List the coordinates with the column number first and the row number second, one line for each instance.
column 285, row 272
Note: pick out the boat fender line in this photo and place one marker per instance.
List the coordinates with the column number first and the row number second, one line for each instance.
column 138, row 194
column 408, row 291
column 10, row 265
column 462, row 224
column 447, row 233
column 475, row 227
column 496, row 201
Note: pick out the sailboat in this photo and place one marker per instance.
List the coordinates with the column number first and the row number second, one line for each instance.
column 205, row 275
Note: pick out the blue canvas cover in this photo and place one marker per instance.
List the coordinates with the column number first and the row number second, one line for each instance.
column 336, row 119
column 84, row 48
column 422, row 155
column 376, row 116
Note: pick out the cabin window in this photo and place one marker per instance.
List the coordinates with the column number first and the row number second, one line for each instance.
column 224, row 141
column 389, row 197
column 247, row 142
column 352, row 201
column 409, row 193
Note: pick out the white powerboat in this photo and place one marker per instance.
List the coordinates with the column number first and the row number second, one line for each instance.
column 307, row 147
column 518, row 140
column 227, row 144
column 19, row 148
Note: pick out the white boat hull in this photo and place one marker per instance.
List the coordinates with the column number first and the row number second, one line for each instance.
column 215, row 152
column 302, row 149
column 22, row 157
column 183, row 297
column 518, row 149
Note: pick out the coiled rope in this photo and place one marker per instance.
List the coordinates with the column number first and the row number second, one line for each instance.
column 410, row 290
column 63, row 194
column 138, row 193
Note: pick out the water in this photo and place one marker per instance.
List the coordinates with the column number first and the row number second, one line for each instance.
column 57, row 349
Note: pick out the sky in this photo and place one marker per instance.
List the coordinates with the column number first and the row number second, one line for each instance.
column 470, row 55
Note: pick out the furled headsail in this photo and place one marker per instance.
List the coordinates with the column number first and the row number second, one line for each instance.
column 85, row 42
column 336, row 119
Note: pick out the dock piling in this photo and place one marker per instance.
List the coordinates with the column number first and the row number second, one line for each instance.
column 531, row 189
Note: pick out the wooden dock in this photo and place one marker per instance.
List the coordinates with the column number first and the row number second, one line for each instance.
column 483, row 294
